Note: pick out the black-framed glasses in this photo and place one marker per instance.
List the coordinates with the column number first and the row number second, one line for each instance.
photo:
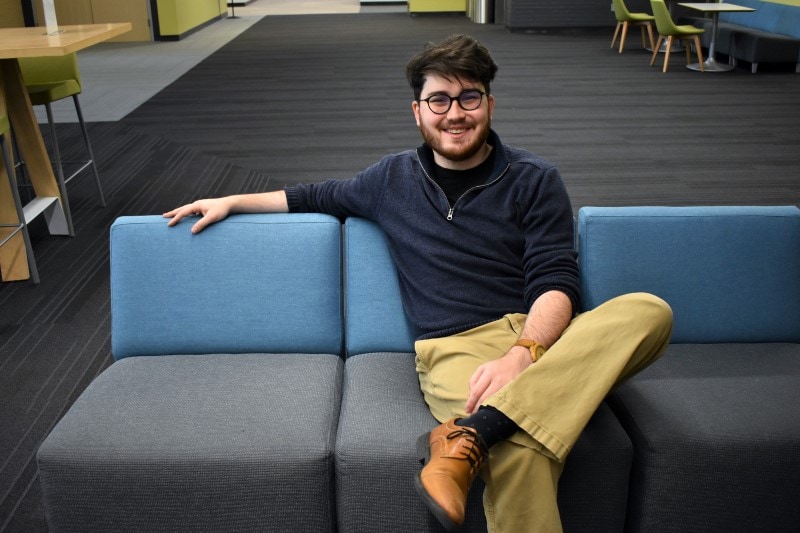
column 469, row 100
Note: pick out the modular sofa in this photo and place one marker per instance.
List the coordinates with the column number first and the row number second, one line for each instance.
column 264, row 381
column 770, row 34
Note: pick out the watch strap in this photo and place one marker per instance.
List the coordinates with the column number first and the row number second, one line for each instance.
column 536, row 350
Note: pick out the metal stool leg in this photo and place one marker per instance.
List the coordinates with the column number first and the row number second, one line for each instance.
column 23, row 225
column 62, row 183
column 21, row 171
column 89, row 149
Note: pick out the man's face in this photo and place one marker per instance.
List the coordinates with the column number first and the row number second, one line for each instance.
column 457, row 137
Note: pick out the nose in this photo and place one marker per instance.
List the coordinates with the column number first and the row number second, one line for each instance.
column 455, row 111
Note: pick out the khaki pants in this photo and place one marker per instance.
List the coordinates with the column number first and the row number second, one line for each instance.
column 552, row 400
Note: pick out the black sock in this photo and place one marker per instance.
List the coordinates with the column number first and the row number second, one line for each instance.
column 492, row 425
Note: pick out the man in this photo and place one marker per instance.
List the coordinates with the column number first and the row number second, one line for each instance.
column 482, row 235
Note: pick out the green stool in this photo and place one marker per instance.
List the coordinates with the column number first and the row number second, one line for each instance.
column 625, row 19
column 667, row 28
column 49, row 79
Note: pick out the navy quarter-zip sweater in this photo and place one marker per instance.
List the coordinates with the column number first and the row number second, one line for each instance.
column 493, row 252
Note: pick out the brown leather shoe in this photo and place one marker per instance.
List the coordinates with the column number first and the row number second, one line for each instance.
column 453, row 454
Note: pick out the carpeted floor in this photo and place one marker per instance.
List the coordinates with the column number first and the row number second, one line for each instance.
column 299, row 98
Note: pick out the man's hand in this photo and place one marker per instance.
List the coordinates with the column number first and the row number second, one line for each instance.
column 211, row 211
column 492, row 376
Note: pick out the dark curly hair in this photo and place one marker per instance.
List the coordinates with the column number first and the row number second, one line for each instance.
column 458, row 56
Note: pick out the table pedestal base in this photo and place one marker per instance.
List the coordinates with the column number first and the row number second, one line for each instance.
column 711, row 65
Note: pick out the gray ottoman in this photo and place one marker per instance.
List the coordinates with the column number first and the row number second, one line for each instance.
column 198, row 443
column 716, row 431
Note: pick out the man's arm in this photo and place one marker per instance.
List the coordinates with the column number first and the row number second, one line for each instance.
column 215, row 209
column 547, row 319
column 549, row 316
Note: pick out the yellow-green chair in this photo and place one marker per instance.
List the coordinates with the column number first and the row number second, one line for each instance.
column 49, row 79
column 20, row 224
column 626, row 19
column 667, row 28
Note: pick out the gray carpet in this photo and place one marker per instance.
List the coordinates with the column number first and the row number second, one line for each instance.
column 302, row 98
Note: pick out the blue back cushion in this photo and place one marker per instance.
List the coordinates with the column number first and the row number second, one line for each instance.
column 789, row 21
column 375, row 319
column 731, row 274
column 768, row 16
column 744, row 18
column 249, row 284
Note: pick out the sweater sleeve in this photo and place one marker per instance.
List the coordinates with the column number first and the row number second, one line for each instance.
column 359, row 196
column 549, row 258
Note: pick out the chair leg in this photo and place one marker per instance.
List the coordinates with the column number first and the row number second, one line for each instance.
column 650, row 34
column 666, row 54
column 655, row 50
column 687, row 47
column 645, row 27
column 12, row 182
column 699, row 50
column 616, row 34
column 89, row 149
column 62, row 184
column 624, row 36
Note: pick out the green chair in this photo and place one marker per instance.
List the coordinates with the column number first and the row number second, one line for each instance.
column 667, row 28
column 625, row 19
column 20, row 224
column 49, row 79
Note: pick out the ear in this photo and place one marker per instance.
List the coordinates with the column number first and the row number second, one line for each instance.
column 415, row 108
column 490, row 99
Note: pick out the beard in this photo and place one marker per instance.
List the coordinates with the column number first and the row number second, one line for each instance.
column 456, row 151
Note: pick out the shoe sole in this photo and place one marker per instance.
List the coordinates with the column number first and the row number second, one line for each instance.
column 424, row 454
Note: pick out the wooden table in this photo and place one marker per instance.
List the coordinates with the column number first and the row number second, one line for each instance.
column 15, row 103
column 710, row 64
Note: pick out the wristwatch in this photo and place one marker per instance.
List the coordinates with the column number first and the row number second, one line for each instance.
column 536, row 349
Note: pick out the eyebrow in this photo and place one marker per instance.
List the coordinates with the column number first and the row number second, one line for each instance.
column 465, row 89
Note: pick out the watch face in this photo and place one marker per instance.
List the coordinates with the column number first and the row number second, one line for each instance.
column 536, row 349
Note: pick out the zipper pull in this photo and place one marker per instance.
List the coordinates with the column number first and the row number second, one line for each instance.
column 450, row 214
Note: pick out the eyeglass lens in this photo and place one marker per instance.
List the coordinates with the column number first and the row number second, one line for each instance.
column 468, row 100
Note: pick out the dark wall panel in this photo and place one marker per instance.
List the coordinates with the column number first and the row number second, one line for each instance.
column 519, row 14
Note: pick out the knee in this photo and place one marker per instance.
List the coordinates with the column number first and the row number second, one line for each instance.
column 647, row 309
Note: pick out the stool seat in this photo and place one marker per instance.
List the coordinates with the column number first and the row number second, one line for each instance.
column 688, row 29
column 45, row 93
column 640, row 17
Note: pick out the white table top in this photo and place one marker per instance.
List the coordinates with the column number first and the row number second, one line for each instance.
column 711, row 7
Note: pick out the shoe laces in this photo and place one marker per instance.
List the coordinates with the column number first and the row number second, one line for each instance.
column 477, row 450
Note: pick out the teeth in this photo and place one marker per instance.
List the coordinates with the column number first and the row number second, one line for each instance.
column 456, row 131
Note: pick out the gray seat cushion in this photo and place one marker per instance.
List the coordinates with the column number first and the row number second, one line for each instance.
column 753, row 45
column 383, row 413
column 198, row 443
column 716, row 429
